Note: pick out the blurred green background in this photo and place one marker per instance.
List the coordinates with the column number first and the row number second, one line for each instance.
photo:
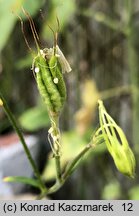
column 100, row 40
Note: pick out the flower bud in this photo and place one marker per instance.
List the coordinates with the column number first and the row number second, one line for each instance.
column 116, row 143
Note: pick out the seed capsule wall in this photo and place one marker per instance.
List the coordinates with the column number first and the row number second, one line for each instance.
column 50, row 82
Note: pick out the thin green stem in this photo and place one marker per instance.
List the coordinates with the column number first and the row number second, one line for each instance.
column 132, row 54
column 51, row 190
column 58, row 168
column 76, row 160
column 55, row 187
column 20, row 135
column 101, row 17
column 68, row 172
column 56, row 145
column 117, row 91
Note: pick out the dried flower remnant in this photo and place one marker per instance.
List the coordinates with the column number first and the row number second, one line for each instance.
column 116, row 143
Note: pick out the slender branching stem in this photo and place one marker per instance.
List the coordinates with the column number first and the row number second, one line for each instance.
column 71, row 167
column 20, row 135
column 132, row 53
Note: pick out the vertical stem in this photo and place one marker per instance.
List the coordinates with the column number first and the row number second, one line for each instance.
column 56, row 146
column 58, row 168
column 134, row 71
column 76, row 160
column 20, row 135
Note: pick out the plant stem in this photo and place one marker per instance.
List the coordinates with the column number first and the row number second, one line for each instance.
column 132, row 53
column 58, row 168
column 68, row 171
column 101, row 17
column 56, row 145
column 55, row 187
column 76, row 160
column 20, row 135
column 117, row 91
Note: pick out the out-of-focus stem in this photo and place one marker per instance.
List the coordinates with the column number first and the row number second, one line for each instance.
column 20, row 135
column 117, row 91
column 76, row 160
column 134, row 70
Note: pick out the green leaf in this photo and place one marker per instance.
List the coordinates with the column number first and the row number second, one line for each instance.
column 24, row 62
column 22, row 179
column 64, row 10
column 32, row 6
column 8, row 18
column 35, row 118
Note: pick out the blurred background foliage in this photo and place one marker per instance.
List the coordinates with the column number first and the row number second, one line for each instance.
column 100, row 40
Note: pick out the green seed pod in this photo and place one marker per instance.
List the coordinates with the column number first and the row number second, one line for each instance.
column 56, row 72
column 46, row 86
column 43, row 91
column 116, row 143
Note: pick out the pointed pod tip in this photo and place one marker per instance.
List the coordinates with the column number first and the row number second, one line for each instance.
column 100, row 102
column 131, row 175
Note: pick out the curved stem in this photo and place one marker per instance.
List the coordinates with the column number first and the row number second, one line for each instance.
column 68, row 171
column 76, row 160
column 113, row 92
column 20, row 135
